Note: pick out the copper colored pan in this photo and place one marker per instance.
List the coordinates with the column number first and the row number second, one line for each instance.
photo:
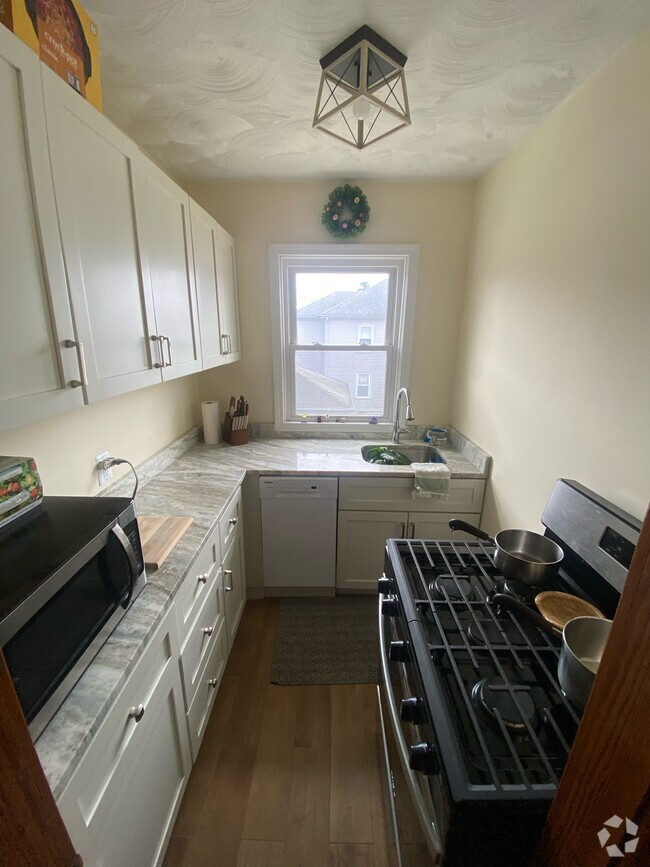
column 558, row 608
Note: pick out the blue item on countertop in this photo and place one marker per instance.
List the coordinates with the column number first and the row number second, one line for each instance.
column 435, row 433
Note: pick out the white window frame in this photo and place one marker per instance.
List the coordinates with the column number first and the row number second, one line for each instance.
column 372, row 334
column 401, row 261
column 367, row 385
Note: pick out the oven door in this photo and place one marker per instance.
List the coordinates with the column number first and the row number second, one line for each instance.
column 416, row 804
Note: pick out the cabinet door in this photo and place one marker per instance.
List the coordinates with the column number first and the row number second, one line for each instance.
column 361, row 543
column 37, row 368
column 227, row 295
column 234, row 584
column 204, row 246
column 93, row 166
column 163, row 217
column 436, row 526
column 120, row 804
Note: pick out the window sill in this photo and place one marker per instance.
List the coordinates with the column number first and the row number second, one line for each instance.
column 363, row 430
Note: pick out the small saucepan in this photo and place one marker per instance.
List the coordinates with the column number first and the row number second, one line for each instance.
column 583, row 643
column 521, row 555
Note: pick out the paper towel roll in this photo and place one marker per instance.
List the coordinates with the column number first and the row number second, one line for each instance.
column 211, row 421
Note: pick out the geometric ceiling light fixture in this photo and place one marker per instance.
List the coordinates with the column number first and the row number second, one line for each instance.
column 362, row 94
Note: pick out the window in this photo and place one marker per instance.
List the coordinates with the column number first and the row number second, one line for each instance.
column 365, row 335
column 363, row 385
column 342, row 321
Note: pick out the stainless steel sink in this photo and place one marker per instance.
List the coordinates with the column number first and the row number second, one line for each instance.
column 415, row 453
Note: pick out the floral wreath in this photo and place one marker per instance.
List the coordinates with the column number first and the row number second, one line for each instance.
column 346, row 212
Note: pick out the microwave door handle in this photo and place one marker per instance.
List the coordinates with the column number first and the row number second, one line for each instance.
column 125, row 543
column 427, row 822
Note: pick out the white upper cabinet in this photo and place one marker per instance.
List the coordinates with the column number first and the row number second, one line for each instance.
column 40, row 374
column 216, row 286
column 227, row 295
column 163, row 219
column 94, row 166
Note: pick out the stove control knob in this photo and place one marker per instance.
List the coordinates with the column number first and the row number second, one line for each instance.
column 422, row 758
column 383, row 585
column 412, row 711
column 399, row 651
column 390, row 606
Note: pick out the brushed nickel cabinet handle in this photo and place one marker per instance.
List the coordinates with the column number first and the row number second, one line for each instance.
column 228, row 572
column 213, row 682
column 81, row 357
column 136, row 713
column 202, row 579
column 232, row 521
column 411, row 531
column 207, row 630
column 402, row 533
column 156, row 338
column 224, row 344
column 166, row 340
column 169, row 351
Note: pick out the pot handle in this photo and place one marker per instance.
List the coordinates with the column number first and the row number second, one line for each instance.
column 457, row 524
column 502, row 600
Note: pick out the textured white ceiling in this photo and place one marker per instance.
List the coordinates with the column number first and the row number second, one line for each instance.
column 227, row 88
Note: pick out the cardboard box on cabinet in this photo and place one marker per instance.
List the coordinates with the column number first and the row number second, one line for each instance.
column 64, row 36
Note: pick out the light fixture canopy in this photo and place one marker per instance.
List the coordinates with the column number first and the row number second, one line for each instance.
column 362, row 94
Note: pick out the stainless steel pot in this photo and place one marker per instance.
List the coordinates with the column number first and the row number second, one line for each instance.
column 583, row 643
column 521, row 555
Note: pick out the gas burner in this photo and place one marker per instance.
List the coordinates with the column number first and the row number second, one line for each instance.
column 493, row 696
column 456, row 589
column 518, row 590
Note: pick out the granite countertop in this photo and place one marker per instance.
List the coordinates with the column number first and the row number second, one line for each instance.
column 199, row 483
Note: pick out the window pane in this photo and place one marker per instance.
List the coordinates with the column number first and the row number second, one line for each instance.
column 332, row 383
column 334, row 308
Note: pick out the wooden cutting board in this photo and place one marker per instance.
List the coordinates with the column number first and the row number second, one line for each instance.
column 159, row 536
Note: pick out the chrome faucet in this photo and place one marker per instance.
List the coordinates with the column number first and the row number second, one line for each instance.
column 397, row 430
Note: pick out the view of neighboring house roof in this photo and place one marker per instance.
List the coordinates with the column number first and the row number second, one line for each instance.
column 323, row 305
column 316, row 390
column 370, row 302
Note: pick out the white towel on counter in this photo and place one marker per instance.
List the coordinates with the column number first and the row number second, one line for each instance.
column 431, row 481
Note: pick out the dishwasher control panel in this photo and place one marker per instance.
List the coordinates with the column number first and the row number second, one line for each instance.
column 274, row 487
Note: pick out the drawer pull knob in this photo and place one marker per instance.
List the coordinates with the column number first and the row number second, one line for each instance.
column 207, row 630
column 228, row 576
column 213, row 682
column 232, row 522
column 136, row 713
column 202, row 579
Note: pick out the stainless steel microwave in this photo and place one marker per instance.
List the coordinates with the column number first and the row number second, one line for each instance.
column 69, row 570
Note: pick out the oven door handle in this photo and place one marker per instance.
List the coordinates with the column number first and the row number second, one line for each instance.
column 125, row 543
column 426, row 820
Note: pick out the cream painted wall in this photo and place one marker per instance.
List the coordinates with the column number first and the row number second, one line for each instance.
column 437, row 216
column 133, row 426
column 554, row 358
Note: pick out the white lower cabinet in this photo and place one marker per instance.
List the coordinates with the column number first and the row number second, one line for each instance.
column 373, row 510
column 234, row 583
column 209, row 606
column 121, row 802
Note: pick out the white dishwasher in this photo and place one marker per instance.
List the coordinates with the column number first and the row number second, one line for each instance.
column 299, row 532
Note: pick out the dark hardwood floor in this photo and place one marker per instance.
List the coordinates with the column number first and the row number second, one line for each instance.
column 287, row 776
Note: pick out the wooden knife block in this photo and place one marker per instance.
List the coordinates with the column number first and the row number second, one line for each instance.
column 234, row 437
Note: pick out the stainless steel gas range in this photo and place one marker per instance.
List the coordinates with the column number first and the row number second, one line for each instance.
column 476, row 728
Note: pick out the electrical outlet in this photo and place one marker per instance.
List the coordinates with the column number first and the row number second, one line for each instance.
column 103, row 476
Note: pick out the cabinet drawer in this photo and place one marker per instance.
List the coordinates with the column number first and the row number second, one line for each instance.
column 230, row 521
column 465, row 495
column 208, row 682
column 201, row 637
column 198, row 583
